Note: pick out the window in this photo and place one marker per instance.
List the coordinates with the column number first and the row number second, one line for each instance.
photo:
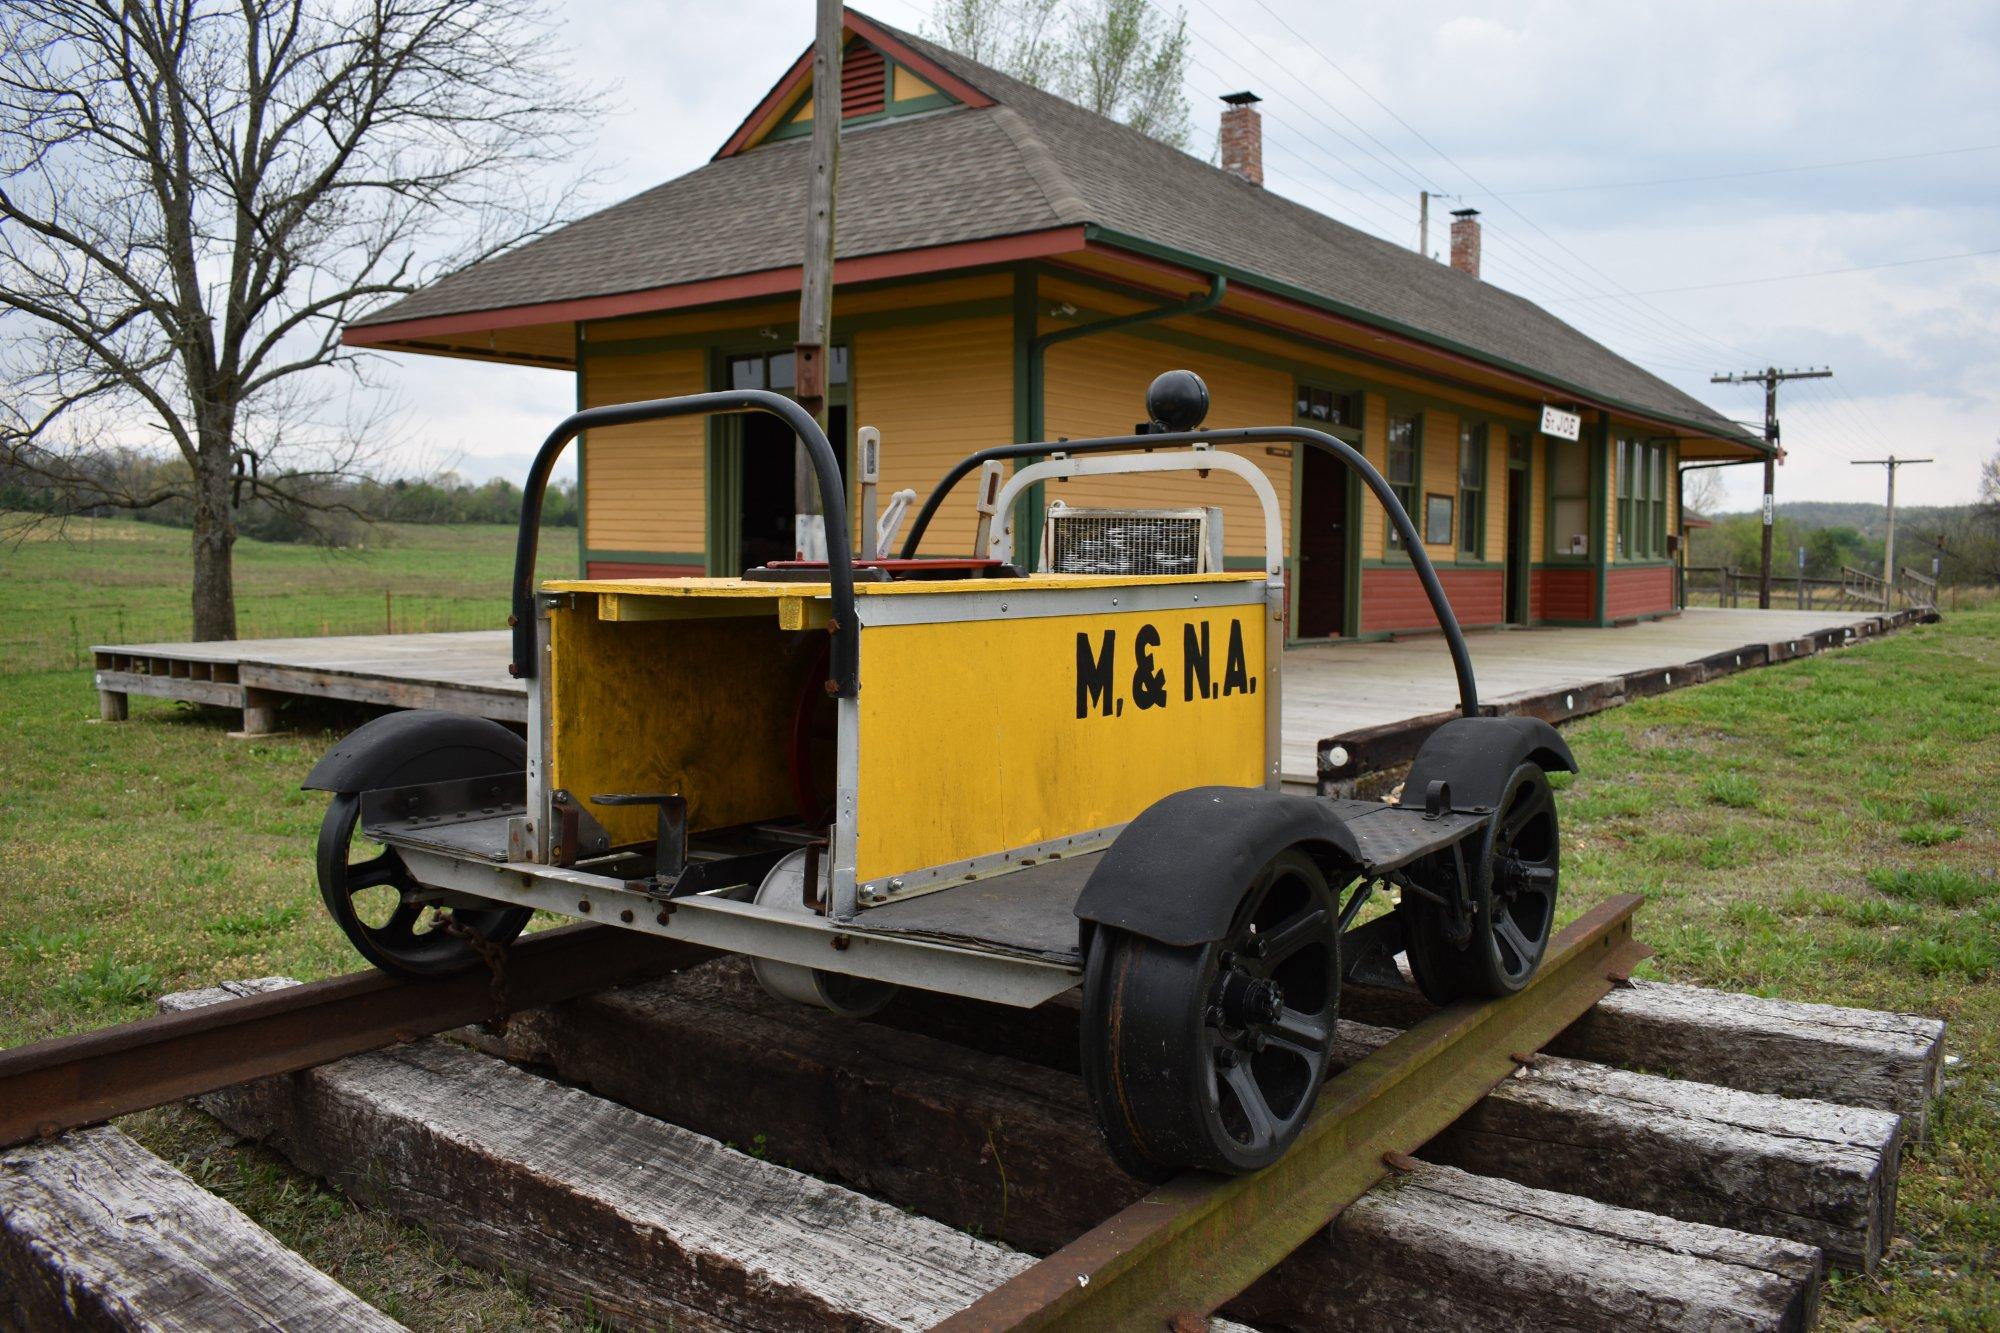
column 1569, row 499
column 1402, row 469
column 1627, row 492
column 1642, row 499
column 777, row 371
column 1328, row 407
column 1659, row 492
column 1471, row 489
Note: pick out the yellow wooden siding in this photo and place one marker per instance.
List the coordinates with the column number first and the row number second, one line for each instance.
column 907, row 87
column 1375, row 447
column 1438, row 475
column 643, row 485
column 937, row 392
column 1097, row 386
column 1496, row 493
column 1609, row 456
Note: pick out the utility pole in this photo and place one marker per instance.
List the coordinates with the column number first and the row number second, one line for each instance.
column 1424, row 223
column 816, row 278
column 1770, row 377
column 1889, row 544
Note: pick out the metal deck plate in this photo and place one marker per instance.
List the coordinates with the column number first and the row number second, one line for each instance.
column 1389, row 836
column 1030, row 912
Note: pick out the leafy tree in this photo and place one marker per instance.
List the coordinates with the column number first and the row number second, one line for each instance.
column 1119, row 58
column 195, row 197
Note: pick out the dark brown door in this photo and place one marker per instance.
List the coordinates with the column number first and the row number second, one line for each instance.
column 1517, row 546
column 1322, row 592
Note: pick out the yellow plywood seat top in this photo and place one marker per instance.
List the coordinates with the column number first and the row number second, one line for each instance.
column 737, row 587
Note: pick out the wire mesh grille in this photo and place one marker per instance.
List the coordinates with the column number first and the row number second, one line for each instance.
column 1124, row 541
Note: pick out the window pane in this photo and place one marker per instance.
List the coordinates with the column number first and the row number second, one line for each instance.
column 1304, row 408
column 746, row 372
column 1571, row 531
column 784, row 372
column 1345, row 410
column 1471, row 457
column 1569, row 469
column 1402, row 449
column 1517, row 446
column 1469, row 521
column 836, row 366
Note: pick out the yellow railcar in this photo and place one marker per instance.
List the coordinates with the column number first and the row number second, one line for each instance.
column 876, row 772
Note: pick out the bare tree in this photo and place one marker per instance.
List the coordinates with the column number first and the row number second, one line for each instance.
column 1119, row 58
column 1989, row 486
column 195, row 197
column 1702, row 491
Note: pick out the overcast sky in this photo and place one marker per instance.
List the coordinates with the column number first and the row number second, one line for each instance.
column 1552, row 118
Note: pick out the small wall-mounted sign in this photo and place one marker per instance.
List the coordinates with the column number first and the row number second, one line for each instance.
column 1563, row 425
column 1278, row 450
column 1437, row 520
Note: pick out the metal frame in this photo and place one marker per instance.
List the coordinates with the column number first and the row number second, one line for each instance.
column 714, row 921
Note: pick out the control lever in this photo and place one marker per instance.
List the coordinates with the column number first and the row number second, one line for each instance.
column 892, row 518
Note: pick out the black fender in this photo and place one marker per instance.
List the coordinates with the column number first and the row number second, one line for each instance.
column 1476, row 755
column 421, row 745
column 1176, row 872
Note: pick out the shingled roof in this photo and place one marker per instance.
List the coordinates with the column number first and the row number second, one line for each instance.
column 1031, row 162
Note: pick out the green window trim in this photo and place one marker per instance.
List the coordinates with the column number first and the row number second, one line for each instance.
column 1642, row 498
column 1475, row 440
column 1407, row 488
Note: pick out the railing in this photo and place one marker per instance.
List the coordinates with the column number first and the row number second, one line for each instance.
column 1919, row 591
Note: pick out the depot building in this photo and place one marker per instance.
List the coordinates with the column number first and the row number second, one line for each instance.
column 1013, row 268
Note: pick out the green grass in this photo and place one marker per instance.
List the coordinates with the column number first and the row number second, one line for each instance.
column 114, row 581
column 1784, row 823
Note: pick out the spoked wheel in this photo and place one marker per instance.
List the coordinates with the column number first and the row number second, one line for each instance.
column 374, row 899
column 1211, row 1056
column 1513, row 867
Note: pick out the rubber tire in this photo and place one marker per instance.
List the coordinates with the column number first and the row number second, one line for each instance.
column 1145, row 1039
column 1445, row 972
column 434, row 953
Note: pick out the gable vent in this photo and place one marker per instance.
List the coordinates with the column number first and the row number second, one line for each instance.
column 864, row 77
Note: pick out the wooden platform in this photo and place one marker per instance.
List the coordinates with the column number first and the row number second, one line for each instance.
column 1331, row 690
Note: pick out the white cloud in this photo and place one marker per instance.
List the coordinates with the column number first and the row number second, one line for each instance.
column 1525, row 96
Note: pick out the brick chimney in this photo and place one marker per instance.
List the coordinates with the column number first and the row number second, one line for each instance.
column 1465, row 240
column 1243, row 137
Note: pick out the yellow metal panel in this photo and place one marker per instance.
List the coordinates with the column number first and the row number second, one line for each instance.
column 1097, row 386
column 699, row 707
column 643, row 484
column 982, row 736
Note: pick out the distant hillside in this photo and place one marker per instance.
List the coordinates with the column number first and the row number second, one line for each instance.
column 1867, row 519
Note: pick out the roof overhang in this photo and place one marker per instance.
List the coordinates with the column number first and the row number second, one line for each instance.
column 542, row 333
column 474, row 333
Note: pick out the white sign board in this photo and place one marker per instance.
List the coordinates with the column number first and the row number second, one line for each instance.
column 1563, row 425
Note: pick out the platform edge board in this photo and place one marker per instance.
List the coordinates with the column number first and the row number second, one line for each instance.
column 1132, row 1269
column 96, row 1232
column 648, row 1223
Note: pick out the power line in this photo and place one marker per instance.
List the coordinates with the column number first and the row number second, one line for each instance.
column 1763, row 171
column 1794, row 277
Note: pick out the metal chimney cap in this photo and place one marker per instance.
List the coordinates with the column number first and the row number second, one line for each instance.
column 1241, row 99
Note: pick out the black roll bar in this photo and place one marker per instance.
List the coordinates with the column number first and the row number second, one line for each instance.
column 1461, row 657
column 844, row 660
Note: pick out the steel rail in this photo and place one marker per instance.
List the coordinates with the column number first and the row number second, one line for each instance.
column 69, row 1082
column 1191, row 1245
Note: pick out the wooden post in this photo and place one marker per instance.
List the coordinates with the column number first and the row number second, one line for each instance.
column 816, row 277
column 111, row 706
column 260, row 713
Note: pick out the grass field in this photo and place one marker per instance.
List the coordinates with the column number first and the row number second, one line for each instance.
column 1824, row 830
column 115, row 581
